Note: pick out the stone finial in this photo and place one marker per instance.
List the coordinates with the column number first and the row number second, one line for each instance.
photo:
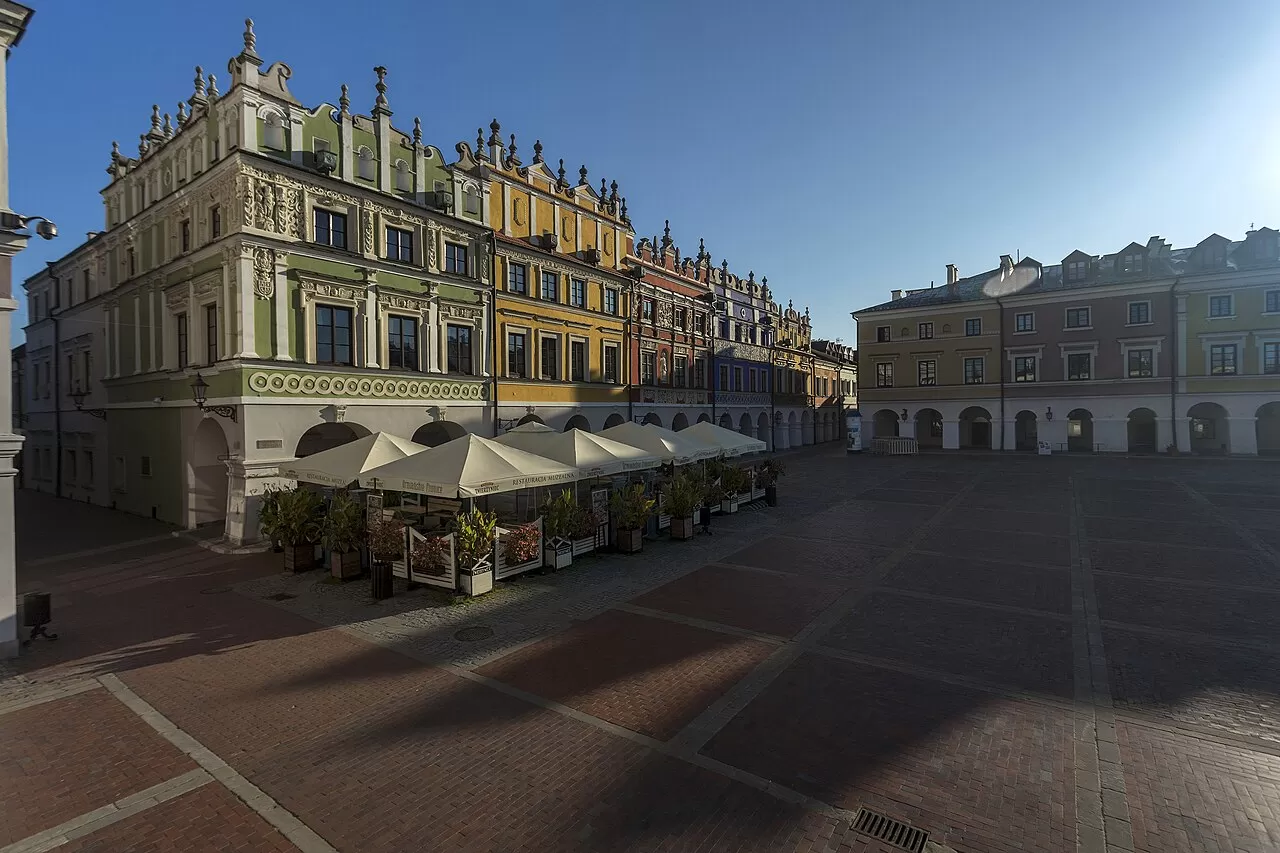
column 380, row 105
column 142, row 145
column 417, row 131
column 511, row 152
column 655, row 243
column 751, row 277
column 182, row 114
column 198, row 96
column 724, row 269
column 764, row 282
column 603, row 189
column 344, row 101
column 168, row 128
column 213, row 87
column 494, row 128
column 537, row 150
column 115, row 151
column 613, row 191
column 582, row 177
column 623, row 214
column 666, row 234
column 561, row 181
column 155, row 117
column 250, row 43
column 479, row 141
column 702, row 249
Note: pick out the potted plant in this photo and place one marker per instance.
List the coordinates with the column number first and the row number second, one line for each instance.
column 632, row 507
column 768, row 473
column 430, row 556
column 294, row 521
column 267, row 514
column 476, row 531
column 386, row 545
column 732, row 481
column 558, row 516
column 583, row 534
column 521, row 544
column 341, row 534
column 682, row 496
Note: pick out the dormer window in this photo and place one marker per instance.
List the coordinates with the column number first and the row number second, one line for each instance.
column 1264, row 247
column 1131, row 262
column 1076, row 270
column 365, row 164
column 1213, row 256
column 404, row 178
column 273, row 132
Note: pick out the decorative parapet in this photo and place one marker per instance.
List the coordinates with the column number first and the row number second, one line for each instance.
column 290, row 383
column 740, row 398
column 742, row 352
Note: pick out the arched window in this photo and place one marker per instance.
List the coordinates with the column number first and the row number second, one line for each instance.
column 273, row 132
column 404, row 178
column 364, row 167
column 471, row 201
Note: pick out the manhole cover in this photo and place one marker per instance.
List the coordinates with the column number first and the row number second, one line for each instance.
column 895, row 832
column 474, row 633
column 280, row 596
column 215, row 590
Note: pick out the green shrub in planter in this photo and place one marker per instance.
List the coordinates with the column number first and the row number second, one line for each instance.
column 477, row 531
column 294, row 521
column 342, row 534
column 767, row 475
column 632, row 507
column 682, row 497
column 559, row 514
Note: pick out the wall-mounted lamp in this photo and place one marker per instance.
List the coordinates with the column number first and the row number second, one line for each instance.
column 904, row 414
column 200, row 392
column 1048, row 413
column 77, row 397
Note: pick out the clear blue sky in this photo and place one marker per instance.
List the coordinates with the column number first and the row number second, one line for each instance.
column 842, row 148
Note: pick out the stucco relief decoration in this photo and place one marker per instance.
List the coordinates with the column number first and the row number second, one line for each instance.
column 331, row 385
column 482, row 265
column 664, row 367
column 320, row 290
column 566, row 227
column 264, row 273
column 366, row 217
column 433, row 243
column 664, row 313
column 461, row 312
column 405, row 303
column 208, row 285
column 517, row 211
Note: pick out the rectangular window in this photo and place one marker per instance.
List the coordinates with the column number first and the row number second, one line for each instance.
column 699, row 322
column 331, row 228
column 455, row 258
column 215, row 222
column 884, row 375
column 724, row 377
column 680, row 370
column 1271, row 358
column 1203, row 428
column 549, row 358
column 69, row 474
column 578, row 293
column 1139, row 313
column 1076, row 271
column 610, row 301
column 184, row 355
column 680, row 317
column 144, row 466
column 699, row 372
column 578, row 361
column 517, row 278
column 1024, row 368
column 333, row 335
column 1221, row 306
column 1131, row 262
column 611, row 364
column 974, row 371
column 1222, row 359
column 1078, row 318
column 737, row 379
column 973, row 327
column 87, row 464
column 458, row 344
column 926, row 331
column 402, row 343
column 883, row 334
column 1140, row 363
column 1079, row 366
column 516, row 364
column 647, row 367
column 1272, row 302
column 751, row 380
column 927, row 372
column 133, row 263
column 211, row 333
column 647, row 309
column 724, row 329
column 185, row 235
column 88, row 369
column 399, row 245
column 85, row 282
column 1025, row 322
column 551, row 287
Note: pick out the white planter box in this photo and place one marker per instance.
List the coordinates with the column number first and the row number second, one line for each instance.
column 729, row 505
column 477, row 584
column 558, row 557
column 584, row 546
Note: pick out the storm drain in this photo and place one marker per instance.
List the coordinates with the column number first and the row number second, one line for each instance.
column 279, row 596
column 473, row 633
column 891, row 831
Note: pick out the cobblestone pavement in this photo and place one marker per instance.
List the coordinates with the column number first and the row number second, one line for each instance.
column 1013, row 653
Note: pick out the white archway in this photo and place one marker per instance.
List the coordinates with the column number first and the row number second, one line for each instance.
column 326, row 435
column 1026, row 431
column 704, row 418
column 1210, row 429
column 1268, row 429
column 975, row 428
column 613, row 420
column 437, row 433
column 745, row 426
column 929, row 428
column 726, row 421
column 1080, row 430
column 884, row 424
column 1141, row 430
column 651, row 418
column 680, row 421
column 577, row 422
column 762, row 430
column 207, row 475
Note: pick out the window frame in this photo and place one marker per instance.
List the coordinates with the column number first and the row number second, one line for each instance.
column 1020, row 374
column 737, row 379
column 453, row 253
column 1231, row 306
column 215, row 222
column 211, row 332
column 184, row 235
column 1146, row 304
column 680, row 370
column 1269, row 349
column 1076, row 311
column 974, row 378
column 577, row 292
column 403, row 236
column 969, row 327
column 1078, row 377
column 884, row 374
column 924, row 331
column 1129, row 355
column 648, row 367
column 610, row 303
column 550, row 343
column 1216, row 350
column 1017, row 322
column 453, row 344
column 606, row 348
column 331, row 216
column 523, row 286
column 931, row 379
column 399, row 320
column 1271, row 302
column 333, row 327
column 579, row 345
column 1075, row 271
column 552, row 278
column 183, row 337
column 523, row 371
column 884, row 334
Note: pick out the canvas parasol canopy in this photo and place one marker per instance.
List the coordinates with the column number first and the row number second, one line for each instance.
column 341, row 465
column 593, row 455
column 666, row 445
column 730, row 443
column 468, row 467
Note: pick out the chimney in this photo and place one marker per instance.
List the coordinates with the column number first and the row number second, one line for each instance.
column 953, row 274
column 897, row 294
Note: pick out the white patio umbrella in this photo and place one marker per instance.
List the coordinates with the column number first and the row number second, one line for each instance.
column 666, row 445
column 730, row 442
column 468, row 467
column 341, row 465
column 593, row 455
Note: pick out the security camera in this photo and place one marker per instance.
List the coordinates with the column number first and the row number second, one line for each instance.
column 47, row 229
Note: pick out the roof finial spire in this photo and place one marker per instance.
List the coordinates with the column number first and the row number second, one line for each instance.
column 168, row 128
column 142, row 145
column 213, row 87
column 613, row 191
column 582, row 176
column 561, row 181
column 198, row 96
column 702, row 249
column 344, row 102
column 537, row 150
column 182, row 114
column 380, row 105
column 511, row 152
column 155, row 117
column 417, row 131
column 666, row 234
column 494, row 138
column 724, row 269
column 623, row 214
column 249, row 54
column 479, row 142
column 603, row 189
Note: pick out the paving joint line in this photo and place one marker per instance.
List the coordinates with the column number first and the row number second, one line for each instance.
column 49, row 693
column 100, row 818
column 1017, row 564
column 705, row 624
column 105, row 549
column 969, row 602
column 288, row 824
column 1182, row 728
column 1268, row 553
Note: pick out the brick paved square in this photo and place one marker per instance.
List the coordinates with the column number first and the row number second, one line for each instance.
column 1007, row 521
column 1186, row 531
column 1122, row 492
column 1246, row 615
column 915, row 497
column 69, row 756
column 1216, row 686
column 977, row 771
column 649, row 675
column 1188, row 795
column 977, row 580
column 1012, row 547
column 1059, row 502
column 1030, row 652
column 822, row 557
column 1183, row 562
column 209, row 819
column 755, row 600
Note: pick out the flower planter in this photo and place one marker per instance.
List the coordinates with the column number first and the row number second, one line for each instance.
column 729, row 505
column 682, row 528
column 584, row 546
column 478, row 579
column 630, row 541
column 343, row 566
column 771, row 495
column 299, row 558
column 744, row 498
column 558, row 555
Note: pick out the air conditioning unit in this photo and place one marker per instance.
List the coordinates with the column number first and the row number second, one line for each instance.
column 442, row 199
column 326, row 162
column 592, row 256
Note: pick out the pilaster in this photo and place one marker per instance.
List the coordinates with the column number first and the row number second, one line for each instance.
column 280, row 307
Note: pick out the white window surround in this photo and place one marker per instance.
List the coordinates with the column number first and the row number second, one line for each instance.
column 1268, row 336
column 352, row 212
column 1210, row 340
column 1090, row 347
column 605, row 346
column 966, row 357
column 1087, row 327
column 385, row 221
column 981, row 329
column 1265, row 312
column 560, row 356
column 1128, row 312
column 1037, row 352
column 1153, row 344
column 360, row 330
column 1030, row 331
column 366, row 166
column 568, row 364
column 424, row 338
column 1208, row 307
column 530, row 342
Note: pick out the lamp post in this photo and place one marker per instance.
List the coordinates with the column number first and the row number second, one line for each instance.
column 77, row 397
column 200, row 393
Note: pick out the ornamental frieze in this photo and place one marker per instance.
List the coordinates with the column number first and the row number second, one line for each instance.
column 404, row 301
column 740, row 398
column 321, row 289
column 746, row 352
column 285, row 383
column 461, row 312
column 264, row 273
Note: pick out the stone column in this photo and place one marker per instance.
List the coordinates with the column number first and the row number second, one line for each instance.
column 1243, row 434
column 780, row 437
column 280, row 303
column 950, row 435
column 1182, row 426
column 907, row 428
column 1112, row 434
column 243, row 260
column 437, row 339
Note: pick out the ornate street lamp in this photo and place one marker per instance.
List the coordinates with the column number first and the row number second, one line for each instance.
column 77, row 397
column 200, row 391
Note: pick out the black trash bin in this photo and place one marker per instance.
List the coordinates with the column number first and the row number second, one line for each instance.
column 381, row 581
column 37, row 612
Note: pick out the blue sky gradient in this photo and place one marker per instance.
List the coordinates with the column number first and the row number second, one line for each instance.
column 842, row 148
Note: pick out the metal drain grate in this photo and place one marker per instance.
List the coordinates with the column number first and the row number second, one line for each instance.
column 894, row 832
column 280, row 596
